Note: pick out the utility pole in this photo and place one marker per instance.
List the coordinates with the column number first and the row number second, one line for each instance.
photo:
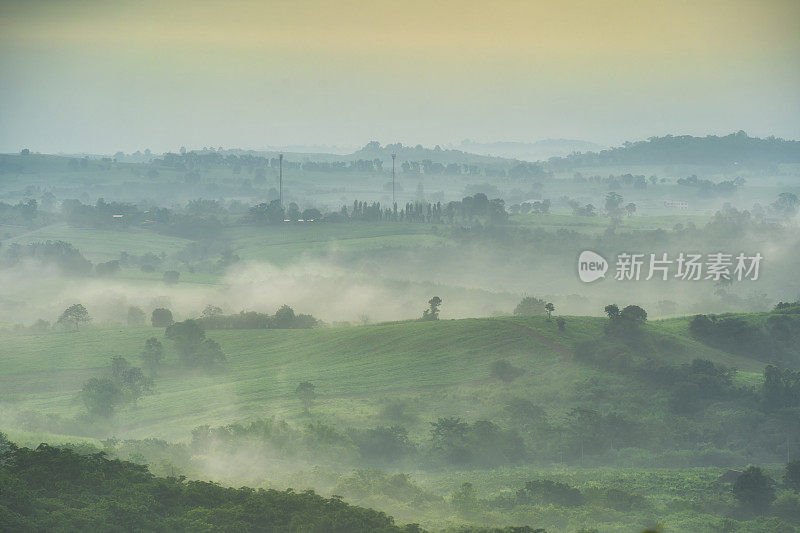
column 280, row 178
column 394, row 202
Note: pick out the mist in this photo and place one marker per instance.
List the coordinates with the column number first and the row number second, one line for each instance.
column 469, row 267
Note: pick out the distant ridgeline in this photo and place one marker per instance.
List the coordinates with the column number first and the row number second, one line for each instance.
column 734, row 149
column 372, row 158
column 284, row 318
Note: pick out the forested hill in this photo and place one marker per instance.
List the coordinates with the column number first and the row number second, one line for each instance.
column 60, row 489
column 734, row 149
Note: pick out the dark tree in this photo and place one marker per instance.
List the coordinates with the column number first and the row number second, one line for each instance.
column 187, row 336
column 209, row 354
column 634, row 313
column 549, row 308
column 284, row 317
column 75, row 315
column 530, row 305
column 107, row 269
column 754, row 490
column 432, row 312
column 161, row 318
column 152, row 355
column 791, row 476
column 131, row 380
column 612, row 310
column 101, row 396
column 211, row 311
column 306, row 392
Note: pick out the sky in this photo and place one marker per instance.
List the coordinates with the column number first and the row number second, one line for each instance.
column 101, row 77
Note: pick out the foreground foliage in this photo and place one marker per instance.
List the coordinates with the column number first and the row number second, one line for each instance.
column 55, row 489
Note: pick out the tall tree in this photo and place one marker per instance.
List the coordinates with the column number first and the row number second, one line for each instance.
column 307, row 392
column 432, row 312
column 152, row 355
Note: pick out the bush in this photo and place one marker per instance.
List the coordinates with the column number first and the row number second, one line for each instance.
column 505, row 371
column 547, row 492
column 754, row 490
column 383, row 444
column 161, row 318
column 530, row 306
column 617, row 499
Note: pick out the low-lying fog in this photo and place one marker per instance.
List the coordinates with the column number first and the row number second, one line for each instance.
column 473, row 281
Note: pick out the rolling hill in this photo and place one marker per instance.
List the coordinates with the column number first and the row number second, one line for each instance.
column 353, row 368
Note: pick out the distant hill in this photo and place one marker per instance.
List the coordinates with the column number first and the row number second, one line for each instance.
column 537, row 151
column 437, row 154
column 734, row 149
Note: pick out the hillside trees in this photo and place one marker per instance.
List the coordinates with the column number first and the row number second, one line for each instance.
column 130, row 379
column 791, row 476
column 123, row 384
column 284, row 318
column 754, row 490
column 60, row 254
column 101, row 396
column 775, row 338
column 625, row 323
column 49, row 488
column 780, row 389
column 195, row 350
column 74, row 315
column 306, row 391
column 152, row 355
column 530, row 306
column 456, row 442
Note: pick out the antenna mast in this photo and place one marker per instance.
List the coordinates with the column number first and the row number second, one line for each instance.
column 280, row 178
column 394, row 203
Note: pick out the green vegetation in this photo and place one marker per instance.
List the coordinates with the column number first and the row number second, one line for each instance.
column 538, row 418
column 163, row 334
column 56, row 489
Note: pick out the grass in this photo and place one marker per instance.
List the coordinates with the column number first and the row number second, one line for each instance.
column 443, row 366
column 598, row 224
column 105, row 245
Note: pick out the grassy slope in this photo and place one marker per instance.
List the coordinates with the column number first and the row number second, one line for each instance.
column 277, row 244
column 105, row 245
column 442, row 366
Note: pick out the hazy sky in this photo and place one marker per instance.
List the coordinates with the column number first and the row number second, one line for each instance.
column 105, row 76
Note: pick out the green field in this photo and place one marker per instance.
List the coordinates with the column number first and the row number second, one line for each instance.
column 104, row 245
column 446, row 362
column 442, row 368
